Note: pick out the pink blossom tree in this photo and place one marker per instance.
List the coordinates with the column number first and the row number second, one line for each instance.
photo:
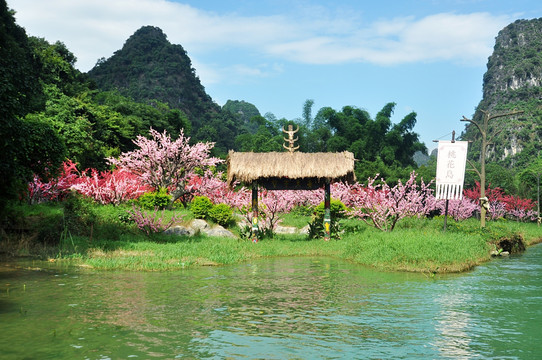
column 161, row 162
column 276, row 204
column 497, row 210
column 458, row 209
column 212, row 186
column 383, row 206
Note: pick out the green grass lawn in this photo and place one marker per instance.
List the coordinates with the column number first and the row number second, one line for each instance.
column 111, row 242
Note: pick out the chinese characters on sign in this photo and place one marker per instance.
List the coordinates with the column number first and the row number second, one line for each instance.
column 451, row 160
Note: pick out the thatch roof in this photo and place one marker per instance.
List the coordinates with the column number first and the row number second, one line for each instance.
column 247, row 167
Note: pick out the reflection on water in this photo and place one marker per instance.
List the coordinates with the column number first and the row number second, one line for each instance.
column 453, row 323
column 290, row 308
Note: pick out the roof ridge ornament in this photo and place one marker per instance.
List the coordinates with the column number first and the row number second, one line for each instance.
column 291, row 141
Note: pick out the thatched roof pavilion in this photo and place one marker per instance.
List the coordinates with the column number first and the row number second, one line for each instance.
column 275, row 169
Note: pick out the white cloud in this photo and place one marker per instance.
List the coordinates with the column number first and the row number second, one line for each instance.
column 95, row 29
column 450, row 37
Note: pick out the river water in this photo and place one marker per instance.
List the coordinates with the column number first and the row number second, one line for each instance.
column 285, row 308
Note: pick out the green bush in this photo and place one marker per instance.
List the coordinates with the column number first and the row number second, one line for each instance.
column 336, row 207
column 302, row 210
column 79, row 214
column 157, row 199
column 200, row 207
column 337, row 212
column 221, row 214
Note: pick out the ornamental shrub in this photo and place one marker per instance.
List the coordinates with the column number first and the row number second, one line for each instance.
column 157, row 199
column 336, row 207
column 337, row 211
column 200, row 207
column 221, row 214
column 151, row 223
column 79, row 215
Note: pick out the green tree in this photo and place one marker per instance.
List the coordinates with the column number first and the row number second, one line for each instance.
column 42, row 148
column 390, row 147
column 307, row 113
column 58, row 66
column 242, row 109
column 23, row 149
column 529, row 179
column 264, row 140
column 78, row 123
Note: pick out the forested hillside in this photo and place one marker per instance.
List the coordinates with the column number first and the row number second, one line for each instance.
column 513, row 81
column 150, row 68
column 52, row 112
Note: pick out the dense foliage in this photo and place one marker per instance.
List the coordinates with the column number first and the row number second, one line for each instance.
column 147, row 59
column 52, row 112
column 26, row 147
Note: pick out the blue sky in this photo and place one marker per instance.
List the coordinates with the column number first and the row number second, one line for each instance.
column 427, row 56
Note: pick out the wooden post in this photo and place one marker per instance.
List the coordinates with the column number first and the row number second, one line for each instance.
column 446, row 214
column 327, row 213
column 447, row 200
column 483, row 128
column 254, row 231
column 539, row 219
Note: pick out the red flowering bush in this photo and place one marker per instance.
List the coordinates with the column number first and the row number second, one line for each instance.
column 105, row 187
column 501, row 205
column 54, row 189
column 110, row 187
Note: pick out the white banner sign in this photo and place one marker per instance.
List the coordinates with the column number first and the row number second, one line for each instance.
column 451, row 161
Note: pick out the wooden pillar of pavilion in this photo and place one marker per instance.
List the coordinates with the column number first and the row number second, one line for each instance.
column 327, row 213
column 254, row 231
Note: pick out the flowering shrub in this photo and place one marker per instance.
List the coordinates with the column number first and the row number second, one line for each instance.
column 110, row 187
column 458, row 209
column 212, row 186
column 54, row 189
column 382, row 206
column 379, row 205
column 497, row 210
column 493, row 194
column 106, row 187
column 151, row 223
column 501, row 205
column 520, row 209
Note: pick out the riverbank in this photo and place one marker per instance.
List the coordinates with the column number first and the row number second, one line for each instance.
column 416, row 249
column 417, row 245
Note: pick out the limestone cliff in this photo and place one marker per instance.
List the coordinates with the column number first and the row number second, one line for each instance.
column 513, row 81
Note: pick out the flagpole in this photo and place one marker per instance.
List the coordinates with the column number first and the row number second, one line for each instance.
column 447, row 200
